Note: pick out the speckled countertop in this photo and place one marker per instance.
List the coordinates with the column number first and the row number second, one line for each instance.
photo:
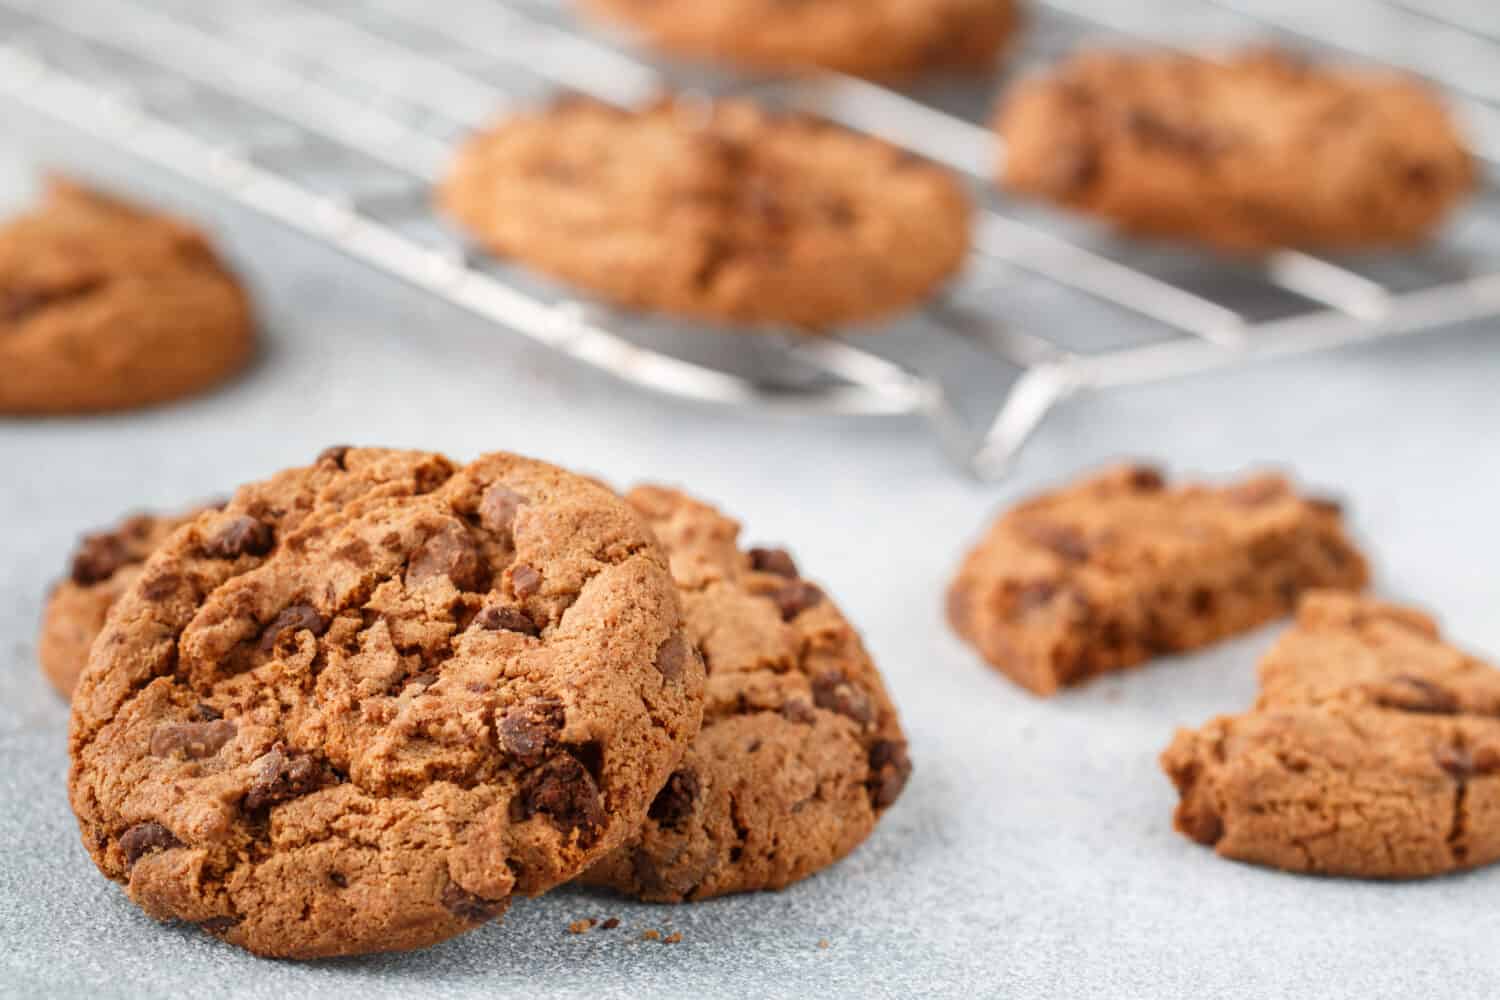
column 1032, row 855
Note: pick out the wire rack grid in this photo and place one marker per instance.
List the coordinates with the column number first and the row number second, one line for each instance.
column 337, row 117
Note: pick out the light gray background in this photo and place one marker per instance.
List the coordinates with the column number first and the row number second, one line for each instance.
column 1031, row 856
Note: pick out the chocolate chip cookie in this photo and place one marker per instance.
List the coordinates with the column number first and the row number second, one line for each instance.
column 801, row 752
column 103, row 568
column 881, row 39
column 1254, row 153
column 1373, row 751
column 371, row 700
column 106, row 306
column 721, row 211
column 1123, row 566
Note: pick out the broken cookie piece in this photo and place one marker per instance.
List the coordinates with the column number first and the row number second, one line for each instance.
column 1123, row 566
column 1373, row 751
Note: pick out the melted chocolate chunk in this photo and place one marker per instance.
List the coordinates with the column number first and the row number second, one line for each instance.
column 143, row 839
column 243, row 536
column 674, row 803
column 282, row 775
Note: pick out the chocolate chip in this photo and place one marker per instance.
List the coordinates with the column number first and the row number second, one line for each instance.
column 1146, row 478
column 777, row 561
column 1202, row 601
column 98, row 558
column 465, row 905
column 674, row 803
column 160, row 586
column 449, row 554
column 339, row 879
column 206, row 713
column 1073, row 168
column 800, row 712
column 836, row 693
column 498, row 507
column 610, row 924
column 333, row 455
column 1062, row 540
column 528, row 732
column 195, row 740
column 281, row 775
column 1457, row 761
column 219, row 926
column 240, row 537
column 294, row 618
column 505, row 618
column 144, row 838
column 524, row 580
column 562, row 790
column 890, row 767
column 671, row 655
column 1416, row 694
column 1035, row 595
column 795, row 597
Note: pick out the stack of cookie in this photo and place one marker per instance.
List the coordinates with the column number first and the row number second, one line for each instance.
column 364, row 704
column 1373, row 749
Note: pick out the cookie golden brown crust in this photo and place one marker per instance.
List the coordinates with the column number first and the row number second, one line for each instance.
column 721, row 211
column 889, row 40
column 1256, row 153
column 1373, row 751
column 1122, row 566
column 801, row 751
column 105, row 306
column 103, row 568
column 371, row 700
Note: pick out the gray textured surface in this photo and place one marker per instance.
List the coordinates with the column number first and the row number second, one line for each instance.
column 1032, row 855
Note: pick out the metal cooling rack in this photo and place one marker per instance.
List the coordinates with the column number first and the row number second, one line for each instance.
column 337, row 117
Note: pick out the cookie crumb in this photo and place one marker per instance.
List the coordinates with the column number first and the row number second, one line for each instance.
column 610, row 924
column 582, row 926
column 650, row 935
column 823, row 943
column 673, row 938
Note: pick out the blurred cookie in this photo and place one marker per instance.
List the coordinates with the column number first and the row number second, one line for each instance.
column 801, row 751
column 879, row 39
column 720, row 211
column 106, row 306
column 371, row 700
column 103, row 568
column 1255, row 153
column 1373, row 751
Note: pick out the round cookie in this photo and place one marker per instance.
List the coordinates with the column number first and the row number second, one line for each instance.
column 1373, row 751
column 801, row 751
column 103, row 568
column 720, row 211
column 881, row 39
column 105, row 306
column 1255, row 153
column 370, row 700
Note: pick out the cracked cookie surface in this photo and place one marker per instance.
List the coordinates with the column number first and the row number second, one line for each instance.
column 106, row 306
column 372, row 699
column 801, row 751
column 1255, row 153
column 104, row 566
column 720, row 211
column 1373, row 751
column 878, row 39
column 1123, row 566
